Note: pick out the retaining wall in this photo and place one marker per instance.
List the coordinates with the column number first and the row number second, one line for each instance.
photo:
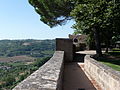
column 47, row 77
column 106, row 77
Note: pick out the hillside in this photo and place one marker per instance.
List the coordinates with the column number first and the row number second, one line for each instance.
column 34, row 48
column 20, row 58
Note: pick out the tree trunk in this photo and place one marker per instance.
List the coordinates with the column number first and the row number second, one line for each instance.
column 108, row 38
column 97, row 41
column 107, row 46
column 106, row 51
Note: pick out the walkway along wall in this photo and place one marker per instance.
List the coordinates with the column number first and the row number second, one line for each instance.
column 47, row 77
column 106, row 77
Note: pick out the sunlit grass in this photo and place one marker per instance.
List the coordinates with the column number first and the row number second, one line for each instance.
column 114, row 66
column 112, row 59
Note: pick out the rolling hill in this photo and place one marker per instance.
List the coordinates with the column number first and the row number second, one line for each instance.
column 29, row 47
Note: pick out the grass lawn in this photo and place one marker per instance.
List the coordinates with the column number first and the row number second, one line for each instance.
column 114, row 66
column 112, row 59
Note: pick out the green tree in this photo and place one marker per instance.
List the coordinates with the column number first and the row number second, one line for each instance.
column 101, row 17
column 91, row 16
column 40, row 61
column 56, row 12
column 53, row 12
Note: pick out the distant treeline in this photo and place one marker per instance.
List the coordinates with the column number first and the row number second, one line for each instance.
column 29, row 47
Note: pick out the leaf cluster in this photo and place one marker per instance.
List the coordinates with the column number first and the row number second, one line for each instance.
column 53, row 12
column 103, row 14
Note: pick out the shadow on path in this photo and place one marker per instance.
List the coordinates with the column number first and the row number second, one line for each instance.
column 75, row 78
column 79, row 57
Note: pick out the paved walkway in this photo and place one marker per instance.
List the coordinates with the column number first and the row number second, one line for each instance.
column 75, row 78
column 88, row 52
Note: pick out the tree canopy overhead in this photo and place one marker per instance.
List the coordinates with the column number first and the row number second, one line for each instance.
column 100, row 18
column 102, row 15
column 53, row 12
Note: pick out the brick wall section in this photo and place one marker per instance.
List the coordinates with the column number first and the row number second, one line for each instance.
column 106, row 77
column 66, row 45
column 47, row 77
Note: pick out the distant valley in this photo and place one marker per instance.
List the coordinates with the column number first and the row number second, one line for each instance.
column 33, row 48
column 20, row 58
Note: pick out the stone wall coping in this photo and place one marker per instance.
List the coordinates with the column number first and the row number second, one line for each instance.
column 46, row 77
column 63, row 39
column 115, row 74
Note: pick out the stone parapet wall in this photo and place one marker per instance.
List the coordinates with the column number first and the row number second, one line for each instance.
column 66, row 45
column 106, row 77
column 47, row 77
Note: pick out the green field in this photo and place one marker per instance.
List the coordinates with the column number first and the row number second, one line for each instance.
column 114, row 66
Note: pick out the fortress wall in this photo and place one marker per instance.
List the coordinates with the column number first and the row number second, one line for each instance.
column 106, row 77
column 66, row 45
column 47, row 77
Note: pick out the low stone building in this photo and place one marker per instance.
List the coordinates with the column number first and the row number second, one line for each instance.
column 79, row 41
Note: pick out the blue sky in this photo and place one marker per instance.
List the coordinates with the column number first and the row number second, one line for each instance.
column 18, row 20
